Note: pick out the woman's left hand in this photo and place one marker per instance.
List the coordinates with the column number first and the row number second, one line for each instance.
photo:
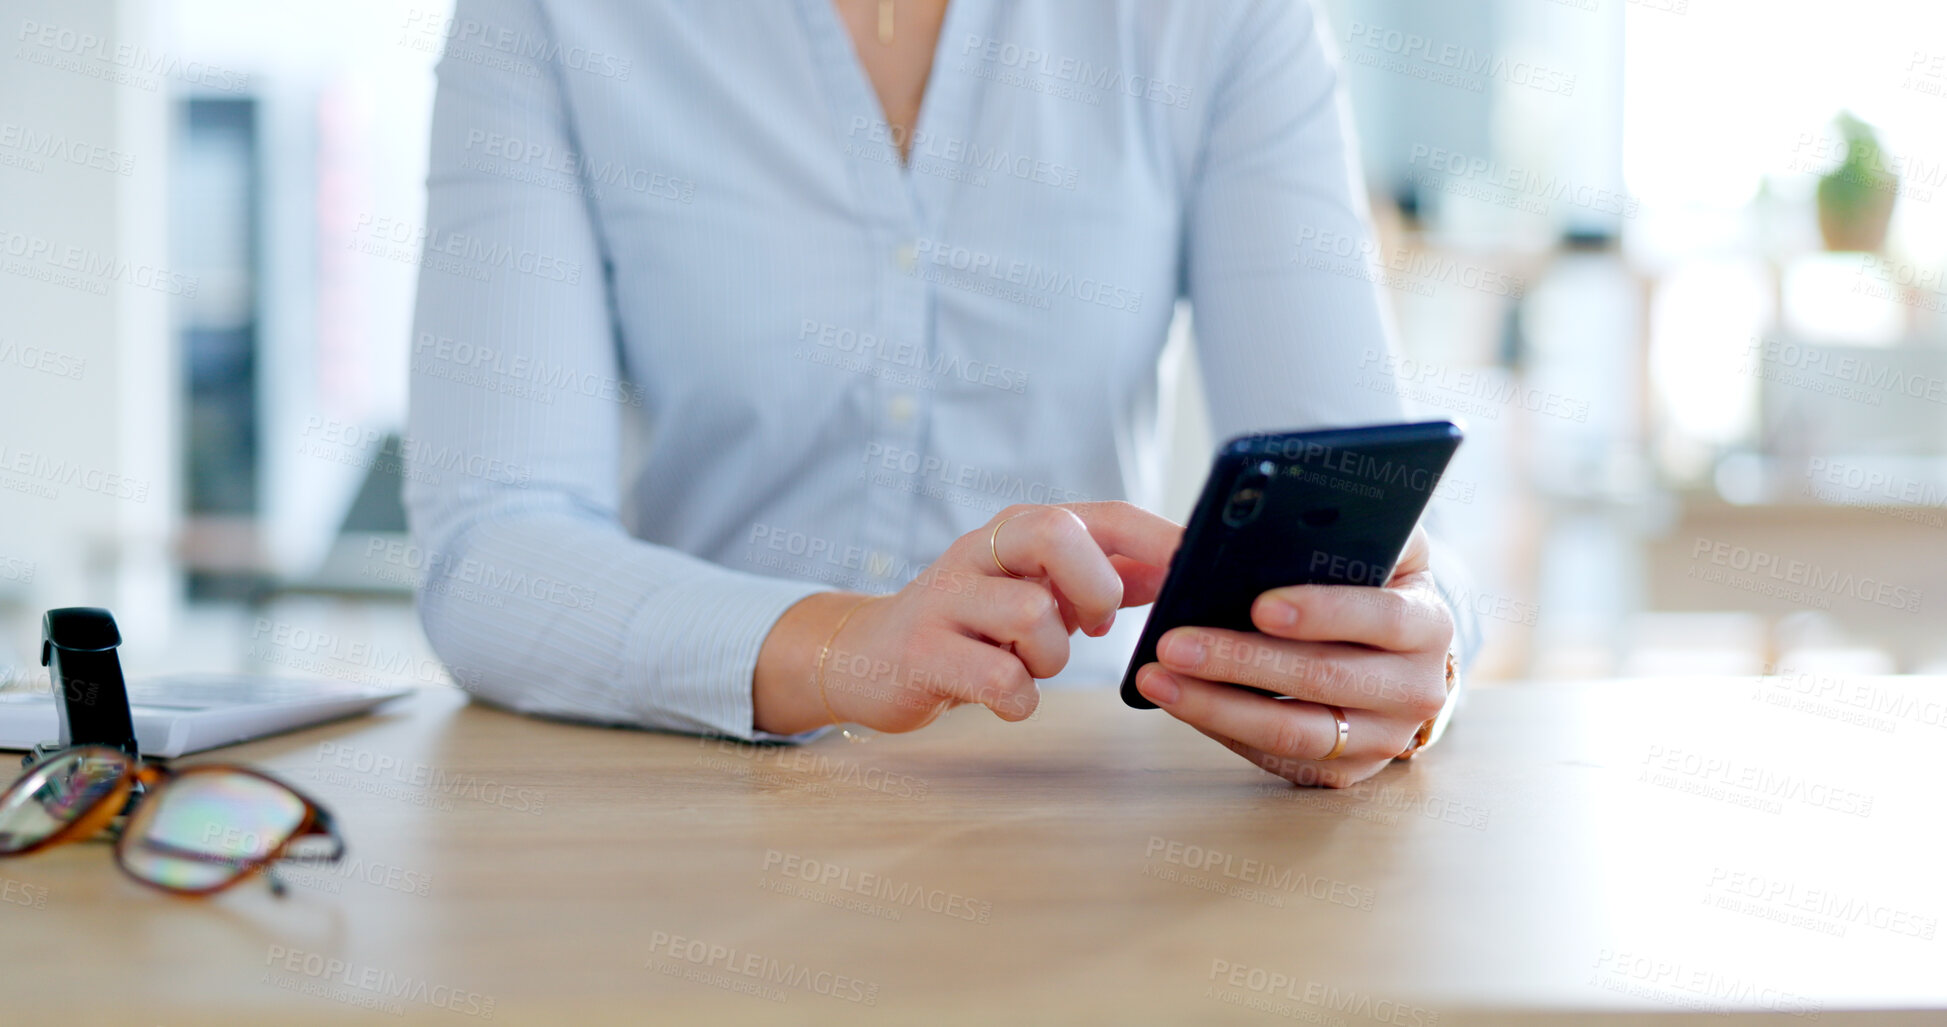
column 1379, row 654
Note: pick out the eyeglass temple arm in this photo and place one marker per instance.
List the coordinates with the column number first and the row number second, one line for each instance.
column 324, row 825
column 321, row 824
column 163, row 848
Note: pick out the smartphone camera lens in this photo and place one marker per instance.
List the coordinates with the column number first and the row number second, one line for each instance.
column 1247, row 494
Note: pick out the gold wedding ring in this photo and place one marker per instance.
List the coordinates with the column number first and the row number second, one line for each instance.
column 1345, row 732
column 994, row 546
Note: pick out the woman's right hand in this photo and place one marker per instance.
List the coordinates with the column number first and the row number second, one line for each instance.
column 963, row 631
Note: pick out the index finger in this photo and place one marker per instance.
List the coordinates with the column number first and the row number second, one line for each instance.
column 1052, row 542
column 1122, row 553
column 1128, row 530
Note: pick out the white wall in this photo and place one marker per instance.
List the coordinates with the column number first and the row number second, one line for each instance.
column 88, row 476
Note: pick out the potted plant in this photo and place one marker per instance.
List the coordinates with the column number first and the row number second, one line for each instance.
column 1856, row 198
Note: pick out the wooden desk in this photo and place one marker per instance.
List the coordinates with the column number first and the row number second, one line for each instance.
column 1622, row 847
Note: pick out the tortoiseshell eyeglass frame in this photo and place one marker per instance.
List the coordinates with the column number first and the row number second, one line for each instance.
column 143, row 780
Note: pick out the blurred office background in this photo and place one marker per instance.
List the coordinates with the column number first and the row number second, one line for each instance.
column 1677, row 263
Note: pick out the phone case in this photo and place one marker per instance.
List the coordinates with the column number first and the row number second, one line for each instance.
column 1294, row 508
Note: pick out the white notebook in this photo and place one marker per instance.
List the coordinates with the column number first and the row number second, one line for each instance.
column 185, row 713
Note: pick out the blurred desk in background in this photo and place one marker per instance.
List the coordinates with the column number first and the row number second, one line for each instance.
column 1597, row 852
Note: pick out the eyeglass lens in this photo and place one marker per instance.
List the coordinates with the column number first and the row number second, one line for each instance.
column 205, row 827
column 54, row 794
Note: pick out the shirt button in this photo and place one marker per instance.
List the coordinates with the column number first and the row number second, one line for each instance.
column 901, row 408
column 908, row 258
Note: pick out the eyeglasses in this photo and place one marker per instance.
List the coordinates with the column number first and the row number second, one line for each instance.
column 193, row 831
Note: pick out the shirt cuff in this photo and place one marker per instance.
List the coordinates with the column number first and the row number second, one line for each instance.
column 695, row 649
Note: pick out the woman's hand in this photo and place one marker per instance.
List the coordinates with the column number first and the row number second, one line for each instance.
column 963, row 631
column 1377, row 653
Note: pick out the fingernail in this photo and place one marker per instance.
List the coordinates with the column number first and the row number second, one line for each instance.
column 1279, row 614
column 1160, row 688
column 1184, row 651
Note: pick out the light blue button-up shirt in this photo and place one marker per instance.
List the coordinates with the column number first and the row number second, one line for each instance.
column 692, row 343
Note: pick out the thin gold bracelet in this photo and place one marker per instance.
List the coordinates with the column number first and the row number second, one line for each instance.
column 818, row 675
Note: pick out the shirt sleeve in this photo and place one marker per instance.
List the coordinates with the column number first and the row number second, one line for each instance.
column 533, row 594
column 1279, row 252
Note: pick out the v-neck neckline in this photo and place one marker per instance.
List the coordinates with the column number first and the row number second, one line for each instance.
column 944, row 101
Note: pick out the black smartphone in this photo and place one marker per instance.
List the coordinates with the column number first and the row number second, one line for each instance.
column 1332, row 507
